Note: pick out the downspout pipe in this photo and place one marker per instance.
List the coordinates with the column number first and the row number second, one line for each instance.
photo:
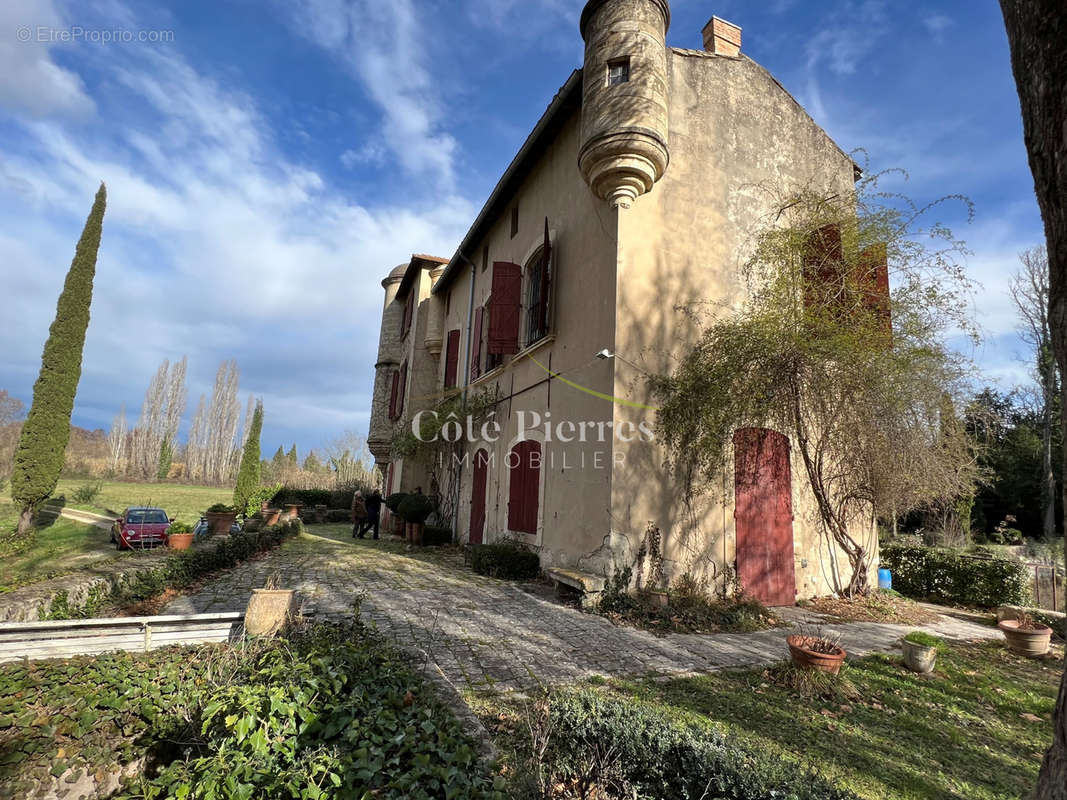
column 466, row 382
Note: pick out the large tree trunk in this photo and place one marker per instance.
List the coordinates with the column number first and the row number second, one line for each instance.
column 1037, row 33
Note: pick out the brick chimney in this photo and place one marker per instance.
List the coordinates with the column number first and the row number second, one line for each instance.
column 722, row 37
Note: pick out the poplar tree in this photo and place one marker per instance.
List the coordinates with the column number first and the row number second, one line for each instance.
column 248, row 476
column 43, row 443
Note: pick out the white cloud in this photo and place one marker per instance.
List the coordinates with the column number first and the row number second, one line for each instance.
column 847, row 36
column 937, row 24
column 386, row 48
column 29, row 79
column 371, row 152
column 216, row 244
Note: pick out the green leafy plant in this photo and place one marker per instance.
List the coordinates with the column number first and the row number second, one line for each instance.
column 180, row 527
column 948, row 577
column 248, row 476
column 924, row 639
column 222, row 508
column 87, row 493
column 393, row 501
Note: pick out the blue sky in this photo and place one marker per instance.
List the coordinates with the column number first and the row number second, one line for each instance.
column 269, row 164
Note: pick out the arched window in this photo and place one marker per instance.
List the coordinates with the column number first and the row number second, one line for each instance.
column 524, row 497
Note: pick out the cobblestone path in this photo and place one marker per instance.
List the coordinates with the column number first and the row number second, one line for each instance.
column 489, row 634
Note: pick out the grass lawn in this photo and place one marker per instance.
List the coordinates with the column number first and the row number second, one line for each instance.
column 976, row 730
column 62, row 546
column 186, row 503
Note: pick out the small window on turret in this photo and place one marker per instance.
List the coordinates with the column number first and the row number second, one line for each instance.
column 618, row 71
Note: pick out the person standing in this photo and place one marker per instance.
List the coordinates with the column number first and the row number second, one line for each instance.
column 374, row 512
column 359, row 515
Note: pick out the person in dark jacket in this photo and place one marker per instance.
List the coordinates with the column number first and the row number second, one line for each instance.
column 374, row 513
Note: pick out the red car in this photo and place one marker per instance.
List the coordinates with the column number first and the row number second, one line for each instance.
column 140, row 527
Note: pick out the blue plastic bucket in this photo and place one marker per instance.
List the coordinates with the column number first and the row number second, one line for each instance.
column 885, row 579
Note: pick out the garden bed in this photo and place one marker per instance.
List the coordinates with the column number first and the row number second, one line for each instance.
column 330, row 706
column 976, row 729
column 878, row 606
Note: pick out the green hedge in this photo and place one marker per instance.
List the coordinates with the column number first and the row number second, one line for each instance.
column 505, row 560
column 651, row 756
column 329, row 711
column 178, row 571
column 946, row 576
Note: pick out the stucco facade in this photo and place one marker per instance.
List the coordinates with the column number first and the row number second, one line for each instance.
column 650, row 196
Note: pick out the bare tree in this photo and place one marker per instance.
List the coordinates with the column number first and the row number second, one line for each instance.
column 1029, row 290
column 116, row 443
column 222, row 425
column 148, row 435
column 1037, row 34
column 11, row 409
column 176, row 399
column 196, row 447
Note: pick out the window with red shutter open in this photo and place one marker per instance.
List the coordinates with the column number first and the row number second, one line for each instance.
column 394, row 393
column 451, row 359
column 402, row 390
column 505, row 307
column 524, row 493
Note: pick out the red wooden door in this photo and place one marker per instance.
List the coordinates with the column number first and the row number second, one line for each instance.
column 763, row 516
column 481, row 476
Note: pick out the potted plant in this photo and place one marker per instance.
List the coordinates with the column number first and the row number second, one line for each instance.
column 392, row 502
column 179, row 536
column 221, row 517
column 269, row 608
column 271, row 516
column 415, row 509
column 1025, row 636
column 920, row 651
column 816, row 651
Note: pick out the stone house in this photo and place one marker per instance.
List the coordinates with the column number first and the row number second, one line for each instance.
column 634, row 194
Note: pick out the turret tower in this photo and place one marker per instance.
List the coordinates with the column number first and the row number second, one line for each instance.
column 624, row 104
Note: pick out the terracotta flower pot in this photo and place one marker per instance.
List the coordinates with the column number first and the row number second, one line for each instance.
column 806, row 658
column 221, row 521
column 268, row 611
column 1030, row 643
column 292, row 510
column 180, row 541
column 918, row 658
column 271, row 516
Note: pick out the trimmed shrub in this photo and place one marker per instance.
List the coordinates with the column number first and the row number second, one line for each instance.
column 505, row 560
column 339, row 515
column 651, row 756
column 87, row 494
column 946, row 576
column 393, row 501
column 436, row 537
column 415, row 508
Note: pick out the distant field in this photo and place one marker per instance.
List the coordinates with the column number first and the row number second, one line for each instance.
column 62, row 546
column 185, row 503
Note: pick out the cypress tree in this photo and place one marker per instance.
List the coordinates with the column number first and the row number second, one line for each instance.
column 292, row 457
column 166, row 459
column 279, row 457
column 248, row 476
column 43, row 443
column 312, row 463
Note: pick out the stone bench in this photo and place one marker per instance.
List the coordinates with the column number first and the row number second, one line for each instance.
column 586, row 585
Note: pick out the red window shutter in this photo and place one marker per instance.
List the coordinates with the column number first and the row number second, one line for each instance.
column 822, row 266
column 524, row 492
column 409, row 313
column 873, row 281
column 476, row 345
column 451, row 359
column 403, row 390
column 517, row 489
column 393, row 395
column 532, row 486
column 504, row 308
